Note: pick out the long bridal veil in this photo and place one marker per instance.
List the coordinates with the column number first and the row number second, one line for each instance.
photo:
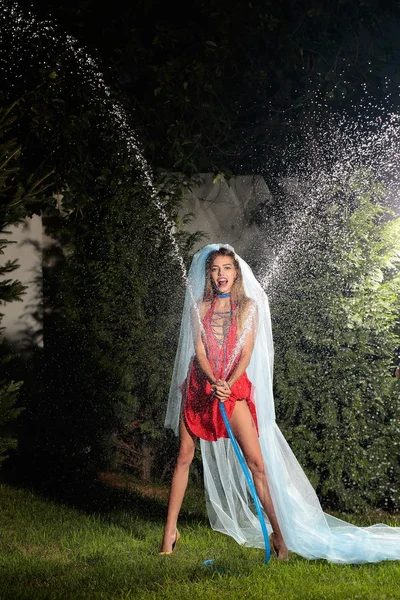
column 307, row 530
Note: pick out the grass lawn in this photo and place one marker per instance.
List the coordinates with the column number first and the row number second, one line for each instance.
column 49, row 550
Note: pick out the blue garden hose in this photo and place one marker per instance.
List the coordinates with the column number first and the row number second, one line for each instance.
column 253, row 491
column 249, row 481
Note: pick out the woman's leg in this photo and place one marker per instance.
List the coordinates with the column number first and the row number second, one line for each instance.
column 178, row 485
column 245, row 432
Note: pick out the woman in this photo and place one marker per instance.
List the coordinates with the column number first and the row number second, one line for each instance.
column 225, row 353
column 222, row 316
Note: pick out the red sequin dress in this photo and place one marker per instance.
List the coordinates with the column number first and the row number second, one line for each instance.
column 200, row 408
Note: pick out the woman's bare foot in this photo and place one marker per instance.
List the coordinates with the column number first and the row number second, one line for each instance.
column 169, row 542
column 278, row 544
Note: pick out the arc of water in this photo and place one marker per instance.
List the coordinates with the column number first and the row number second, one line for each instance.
column 91, row 74
column 119, row 118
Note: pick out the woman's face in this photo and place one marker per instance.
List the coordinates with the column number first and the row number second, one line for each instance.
column 223, row 273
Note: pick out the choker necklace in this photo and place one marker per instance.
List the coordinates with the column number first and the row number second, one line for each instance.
column 222, row 295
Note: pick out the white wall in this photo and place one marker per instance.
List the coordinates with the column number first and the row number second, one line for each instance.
column 223, row 209
column 27, row 250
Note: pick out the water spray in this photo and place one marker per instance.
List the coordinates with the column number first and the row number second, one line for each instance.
column 89, row 70
column 91, row 74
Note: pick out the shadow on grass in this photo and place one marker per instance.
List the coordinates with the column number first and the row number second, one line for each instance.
column 121, row 492
column 115, row 494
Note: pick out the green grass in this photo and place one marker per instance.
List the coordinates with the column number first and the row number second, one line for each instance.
column 49, row 550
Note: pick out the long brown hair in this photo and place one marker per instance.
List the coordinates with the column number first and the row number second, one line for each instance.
column 238, row 294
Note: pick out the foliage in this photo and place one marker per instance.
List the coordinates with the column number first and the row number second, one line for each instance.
column 336, row 311
column 203, row 98
column 110, row 336
column 111, row 284
column 8, row 413
column 10, row 195
column 14, row 191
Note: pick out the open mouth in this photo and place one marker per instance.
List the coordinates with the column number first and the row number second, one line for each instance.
column 222, row 282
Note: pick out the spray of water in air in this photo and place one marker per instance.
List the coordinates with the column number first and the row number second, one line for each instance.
column 334, row 146
column 338, row 151
column 24, row 31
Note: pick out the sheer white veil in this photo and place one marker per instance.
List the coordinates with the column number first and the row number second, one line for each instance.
column 307, row 530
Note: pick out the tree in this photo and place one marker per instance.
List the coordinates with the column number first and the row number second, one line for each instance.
column 199, row 98
column 335, row 313
column 16, row 194
column 111, row 283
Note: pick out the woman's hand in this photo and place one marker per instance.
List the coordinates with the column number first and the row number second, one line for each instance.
column 221, row 390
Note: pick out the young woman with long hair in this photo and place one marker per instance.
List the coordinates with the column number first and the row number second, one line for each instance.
column 224, row 311
column 225, row 353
